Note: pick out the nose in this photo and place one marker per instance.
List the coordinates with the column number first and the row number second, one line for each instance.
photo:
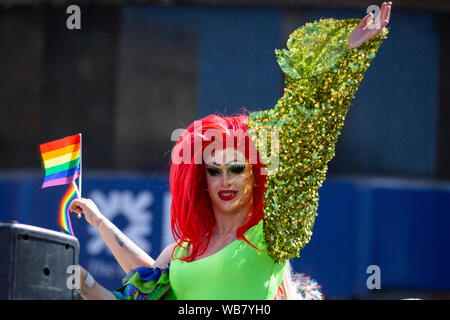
column 225, row 179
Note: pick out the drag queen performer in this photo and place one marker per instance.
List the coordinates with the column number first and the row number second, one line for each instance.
column 236, row 222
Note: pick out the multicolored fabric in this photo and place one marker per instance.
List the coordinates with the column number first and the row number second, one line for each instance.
column 321, row 78
column 62, row 160
column 64, row 211
column 145, row 283
column 307, row 288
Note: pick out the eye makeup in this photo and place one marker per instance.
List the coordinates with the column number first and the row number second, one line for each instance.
column 214, row 171
column 236, row 168
column 233, row 168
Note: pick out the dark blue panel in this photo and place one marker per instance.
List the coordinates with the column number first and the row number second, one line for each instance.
column 412, row 237
column 238, row 67
column 329, row 256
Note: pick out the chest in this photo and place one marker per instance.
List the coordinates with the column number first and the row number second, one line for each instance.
column 236, row 271
column 214, row 246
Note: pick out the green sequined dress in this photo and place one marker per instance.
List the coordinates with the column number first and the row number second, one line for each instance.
column 321, row 77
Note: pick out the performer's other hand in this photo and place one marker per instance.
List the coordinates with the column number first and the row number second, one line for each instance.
column 82, row 274
column 367, row 28
column 89, row 209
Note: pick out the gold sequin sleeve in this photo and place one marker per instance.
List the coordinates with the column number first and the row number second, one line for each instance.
column 321, row 78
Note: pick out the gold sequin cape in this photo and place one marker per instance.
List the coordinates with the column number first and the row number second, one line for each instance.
column 321, row 78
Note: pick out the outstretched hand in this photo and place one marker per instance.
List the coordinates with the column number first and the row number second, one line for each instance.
column 368, row 28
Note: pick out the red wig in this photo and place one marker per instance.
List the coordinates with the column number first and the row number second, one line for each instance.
column 192, row 216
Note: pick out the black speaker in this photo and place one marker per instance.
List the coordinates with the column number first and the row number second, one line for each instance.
column 34, row 263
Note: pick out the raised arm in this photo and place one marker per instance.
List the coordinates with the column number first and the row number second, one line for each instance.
column 321, row 77
column 126, row 252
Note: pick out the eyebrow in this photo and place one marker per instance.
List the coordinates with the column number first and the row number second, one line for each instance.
column 228, row 163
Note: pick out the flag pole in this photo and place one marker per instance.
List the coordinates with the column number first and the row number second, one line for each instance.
column 81, row 161
column 78, row 194
column 81, row 167
column 76, row 189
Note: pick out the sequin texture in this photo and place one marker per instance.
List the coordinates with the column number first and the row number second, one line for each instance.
column 321, row 78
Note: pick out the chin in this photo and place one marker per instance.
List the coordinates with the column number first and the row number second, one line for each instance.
column 228, row 209
column 232, row 207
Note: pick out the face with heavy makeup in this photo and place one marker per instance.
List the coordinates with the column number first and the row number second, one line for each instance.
column 229, row 178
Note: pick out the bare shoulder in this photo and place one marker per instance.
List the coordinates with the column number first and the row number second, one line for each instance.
column 166, row 255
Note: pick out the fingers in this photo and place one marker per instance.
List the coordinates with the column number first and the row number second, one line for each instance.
column 388, row 14
column 382, row 19
column 367, row 17
column 76, row 206
column 385, row 13
column 82, row 271
column 366, row 21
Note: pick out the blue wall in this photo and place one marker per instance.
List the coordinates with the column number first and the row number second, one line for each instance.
column 400, row 226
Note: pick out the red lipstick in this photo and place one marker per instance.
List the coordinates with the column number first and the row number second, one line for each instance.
column 227, row 195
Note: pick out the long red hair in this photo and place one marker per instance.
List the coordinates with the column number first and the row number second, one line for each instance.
column 192, row 216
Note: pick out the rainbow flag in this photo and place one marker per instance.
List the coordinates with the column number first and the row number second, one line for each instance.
column 61, row 160
column 64, row 212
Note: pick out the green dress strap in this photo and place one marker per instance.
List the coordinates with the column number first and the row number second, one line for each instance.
column 321, row 78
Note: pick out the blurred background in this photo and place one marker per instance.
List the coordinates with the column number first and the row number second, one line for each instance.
column 138, row 70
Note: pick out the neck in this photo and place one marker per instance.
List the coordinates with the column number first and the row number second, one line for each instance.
column 228, row 222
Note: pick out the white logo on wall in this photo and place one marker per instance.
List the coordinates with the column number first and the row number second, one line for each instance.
column 134, row 208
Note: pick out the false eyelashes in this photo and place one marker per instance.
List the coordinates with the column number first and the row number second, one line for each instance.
column 213, row 171
column 234, row 168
